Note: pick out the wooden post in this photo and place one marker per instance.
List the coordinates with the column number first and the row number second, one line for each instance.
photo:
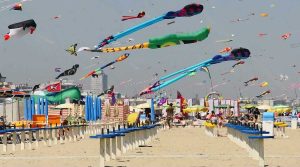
column 102, row 152
column 14, row 141
column 61, row 135
column 107, row 149
column 37, row 137
column 119, row 146
column 4, row 141
column 30, row 140
column 45, row 137
column 55, row 136
column 70, row 134
column 261, row 153
column 22, row 140
column 50, row 137
column 113, row 147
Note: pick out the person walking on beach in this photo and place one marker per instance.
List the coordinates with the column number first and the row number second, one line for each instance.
column 170, row 113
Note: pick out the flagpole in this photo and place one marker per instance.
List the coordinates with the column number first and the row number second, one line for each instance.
column 60, row 90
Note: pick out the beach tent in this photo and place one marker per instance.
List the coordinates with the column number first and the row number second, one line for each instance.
column 196, row 108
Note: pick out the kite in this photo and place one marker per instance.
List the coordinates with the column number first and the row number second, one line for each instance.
column 264, row 84
column 224, row 40
column 250, row 80
column 130, row 39
column 264, row 14
column 119, row 59
column 283, row 77
column 225, row 50
column 68, row 72
column 239, row 19
column 35, row 87
column 238, row 63
column 107, row 91
column 171, row 22
column 193, row 73
column 56, row 17
column 96, row 74
column 236, row 54
column 228, row 72
column 286, row 36
column 72, row 49
column 262, row 34
column 20, row 29
column 149, row 89
column 140, row 15
column 160, row 42
column 205, row 69
column 162, row 101
column 57, row 69
column 187, row 11
column 264, row 93
column 17, row 6
column 95, row 57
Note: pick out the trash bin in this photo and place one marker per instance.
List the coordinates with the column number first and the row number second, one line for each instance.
column 268, row 123
column 294, row 122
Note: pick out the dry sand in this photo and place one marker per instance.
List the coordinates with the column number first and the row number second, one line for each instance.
column 178, row 147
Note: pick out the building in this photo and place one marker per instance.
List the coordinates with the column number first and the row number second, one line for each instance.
column 2, row 79
column 99, row 84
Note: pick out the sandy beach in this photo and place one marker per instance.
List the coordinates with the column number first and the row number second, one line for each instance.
column 177, row 147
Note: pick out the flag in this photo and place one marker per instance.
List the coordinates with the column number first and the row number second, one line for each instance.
column 55, row 87
column 183, row 102
column 113, row 98
column 179, row 96
column 162, row 101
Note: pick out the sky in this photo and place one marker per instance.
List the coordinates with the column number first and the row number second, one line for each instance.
column 33, row 58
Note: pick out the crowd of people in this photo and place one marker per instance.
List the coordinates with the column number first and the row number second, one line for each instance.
column 220, row 118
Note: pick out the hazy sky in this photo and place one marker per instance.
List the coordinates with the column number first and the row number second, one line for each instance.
column 33, row 58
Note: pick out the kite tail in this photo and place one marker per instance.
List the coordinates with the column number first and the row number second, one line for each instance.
column 118, row 49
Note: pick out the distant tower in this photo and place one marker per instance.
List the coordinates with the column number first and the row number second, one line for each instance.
column 2, row 79
column 100, row 84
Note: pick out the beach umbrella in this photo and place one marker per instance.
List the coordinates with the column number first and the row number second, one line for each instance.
column 280, row 109
column 248, row 106
column 196, row 108
column 174, row 105
column 133, row 117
